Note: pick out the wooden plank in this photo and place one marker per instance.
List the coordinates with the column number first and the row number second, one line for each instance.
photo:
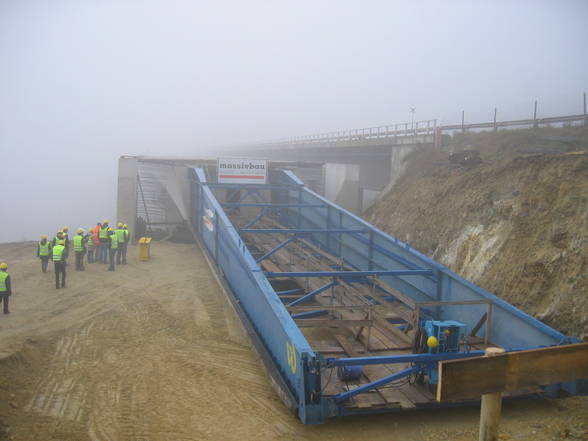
column 512, row 371
column 326, row 347
column 268, row 265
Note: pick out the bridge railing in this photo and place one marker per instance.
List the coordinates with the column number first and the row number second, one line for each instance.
column 399, row 132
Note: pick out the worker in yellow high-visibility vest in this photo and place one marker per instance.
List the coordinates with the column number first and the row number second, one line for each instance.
column 59, row 257
column 90, row 246
column 79, row 248
column 126, row 246
column 121, row 235
column 112, row 247
column 104, row 243
column 44, row 252
column 5, row 286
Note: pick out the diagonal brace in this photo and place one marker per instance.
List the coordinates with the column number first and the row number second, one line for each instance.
column 314, row 293
column 374, row 384
column 253, row 221
column 276, row 249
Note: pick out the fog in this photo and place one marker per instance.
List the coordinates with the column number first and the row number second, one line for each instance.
column 83, row 82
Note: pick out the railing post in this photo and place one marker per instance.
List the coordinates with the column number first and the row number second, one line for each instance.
column 491, row 408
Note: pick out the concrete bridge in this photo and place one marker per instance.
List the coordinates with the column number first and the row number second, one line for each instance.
column 358, row 164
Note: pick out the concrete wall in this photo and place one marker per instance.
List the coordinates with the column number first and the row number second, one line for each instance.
column 126, row 201
column 342, row 185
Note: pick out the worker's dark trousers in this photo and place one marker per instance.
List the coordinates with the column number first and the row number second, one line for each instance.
column 60, row 269
column 104, row 252
column 111, row 253
column 80, row 260
column 4, row 299
column 121, row 253
column 44, row 263
column 90, row 256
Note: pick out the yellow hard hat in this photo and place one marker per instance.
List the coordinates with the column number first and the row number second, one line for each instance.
column 65, row 229
column 109, row 229
column 105, row 221
column 90, row 230
column 120, row 224
column 125, row 226
column 61, row 242
column 80, row 230
column 43, row 236
column 3, row 265
column 432, row 342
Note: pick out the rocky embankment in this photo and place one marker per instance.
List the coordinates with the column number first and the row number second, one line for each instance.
column 514, row 222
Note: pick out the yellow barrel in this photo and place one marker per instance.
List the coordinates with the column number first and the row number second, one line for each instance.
column 144, row 248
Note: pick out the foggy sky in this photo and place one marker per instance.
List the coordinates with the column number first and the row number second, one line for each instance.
column 85, row 81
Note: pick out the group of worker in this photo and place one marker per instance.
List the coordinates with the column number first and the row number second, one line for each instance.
column 101, row 244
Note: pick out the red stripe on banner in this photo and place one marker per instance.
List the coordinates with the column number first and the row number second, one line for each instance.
column 241, row 177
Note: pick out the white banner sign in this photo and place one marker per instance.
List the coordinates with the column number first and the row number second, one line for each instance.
column 242, row 171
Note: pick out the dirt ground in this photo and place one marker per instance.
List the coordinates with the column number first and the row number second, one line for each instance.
column 153, row 352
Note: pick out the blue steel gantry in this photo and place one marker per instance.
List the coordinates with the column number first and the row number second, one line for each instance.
column 320, row 290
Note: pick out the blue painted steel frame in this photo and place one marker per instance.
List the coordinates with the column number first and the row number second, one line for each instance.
column 297, row 364
column 366, row 249
column 510, row 327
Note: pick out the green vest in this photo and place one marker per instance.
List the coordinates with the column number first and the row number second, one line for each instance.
column 77, row 242
column 3, row 277
column 44, row 248
column 103, row 234
column 114, row 241
column 120, row 235
column 58, row 253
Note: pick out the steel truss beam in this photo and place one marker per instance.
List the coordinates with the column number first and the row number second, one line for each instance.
column 404, row 358
column 270, row 205
column 299, row 230
column 346, row 274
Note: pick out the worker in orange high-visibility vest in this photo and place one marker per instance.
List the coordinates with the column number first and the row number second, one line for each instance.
column 97, row 229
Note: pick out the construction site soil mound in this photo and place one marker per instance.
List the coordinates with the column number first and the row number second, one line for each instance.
column 154, row 352
column 515, row 222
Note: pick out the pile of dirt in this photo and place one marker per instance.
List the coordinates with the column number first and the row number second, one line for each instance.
column 515, row 223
